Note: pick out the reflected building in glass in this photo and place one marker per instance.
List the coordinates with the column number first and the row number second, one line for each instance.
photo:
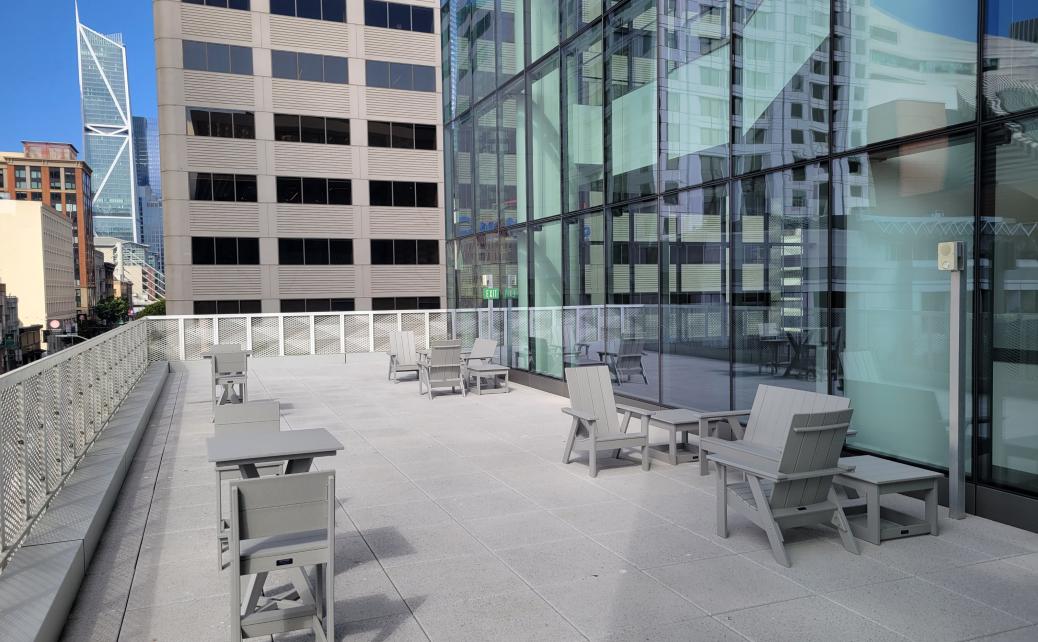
column 711, row 195
column 108, row 132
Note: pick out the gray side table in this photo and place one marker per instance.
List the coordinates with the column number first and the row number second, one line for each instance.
column 679, row 420
column 491, row 371
column 874, row 477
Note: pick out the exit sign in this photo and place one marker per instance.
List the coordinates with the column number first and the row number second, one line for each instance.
column 491, row 293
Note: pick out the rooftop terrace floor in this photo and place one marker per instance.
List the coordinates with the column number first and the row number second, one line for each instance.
column 458, row 521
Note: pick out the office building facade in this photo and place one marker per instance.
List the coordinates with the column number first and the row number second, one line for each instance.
column 301, row 169
column 108, row 131
column 52, row 173
column 149, row 189
column 739, row 192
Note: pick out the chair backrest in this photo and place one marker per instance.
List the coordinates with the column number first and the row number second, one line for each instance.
column 263, row 415
column 225, row 348
column 591, row 391
column 483, row 349
column 814, row 443
column 394, row 341
column 773, row 410
column 281, row 505
column 230, row 361
column 630, row 353
column 406, row 354
column 445, row 361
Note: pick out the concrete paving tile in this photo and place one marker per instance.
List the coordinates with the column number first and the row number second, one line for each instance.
column 823, row 565
column 197, row 621
column 491, row 504
column 98, row 626
column 807, row 619
column 563, row 561
column 595, row 605
column 459, row 577
column 424, row 512
column 104, row 589
column 923, row 554
column 509, row 617
column 357, row 496
column 648, row 547
column 1029, row 561
column 1026, row 634
column 392, row 628
column 397, row 546
column 564, row 494
column 697, row 629
column 608, row 516
column 729, row 583
column 185, row 547
column 924, row 611
column 459, row 485
column 1004, row 586
column 510, row 531
column 165, row 519
column 160, row 584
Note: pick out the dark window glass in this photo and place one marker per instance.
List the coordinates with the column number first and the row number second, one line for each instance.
column 379, row 134
column 340, row 251
column 377, row 73
column 241, row 60
column 223, row 187
column 405, row 252
column 403, row 135
column 422, row 19
column 316, row 251
column 245, row 189
column 194, row 1
column 311, row 67
column 218, row 57
column 222, row 124
column 245, row 125
column 249, row 306
column 318, row 305
column 334, row 10
column 283, row 7
column 286, row 128
column 198, row 122
column 425, row 136
column 55, row 177
column 312, row 128
column 403, row 194
column 290, row 251
column 202, row 250
column 283, row 64
column 336, row 70
column 248, row 252
column 424, row 78
column 308, row 9
column 227, row 307
column 205, row 307
column 399, row 16
column 226, row 251
column 293, row 305
column 383, row 304
column 194, row 55
column 200, row 186
column 381, row 252
column 340, row 192
column 242, row 5
column 425, row 195
column 406, row 303
column 375, row 13
column 400, row 76
column 290, row 190
column 428, row 253
column 338, row 131
column 315, row 191
column 342, row 305
column 381, row 193
column 427, row 303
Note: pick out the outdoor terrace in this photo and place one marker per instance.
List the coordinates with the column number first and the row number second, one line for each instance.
column 458, row 521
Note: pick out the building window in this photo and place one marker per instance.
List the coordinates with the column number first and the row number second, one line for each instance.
column 317, row 305
column 228, row 307
column 393, row 15
column 70, row 180
column 403, row 194
column 36, row 196
column 70, row 203
column 20, row 182
column 398, row 75
column 405, row 252
column 226, row 4
column 210, row 56
column 220, row 123
column 405, row 303
column 55, row 178
column 239, row 188
column 401, row 135
column 314, row 191
column 35, row 178
column 208, row 250
column 315, row 251
column 311, row 67
column 55, row 202
column 311, row 129
column 329, row 10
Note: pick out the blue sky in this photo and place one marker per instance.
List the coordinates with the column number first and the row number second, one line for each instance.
column 41, row 98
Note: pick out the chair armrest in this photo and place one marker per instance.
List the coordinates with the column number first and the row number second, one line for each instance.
column 634, row 410
column 739, row 449
column 724, row 414
column 579, row 414
column 748, row 466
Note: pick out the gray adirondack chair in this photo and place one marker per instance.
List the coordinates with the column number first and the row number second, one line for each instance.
column 482, row 350
column 403, row 356
column 254, row 416
column 230, row 373
column 442, row 368
column 628, row 361
column 768, row 423
column 794, row 489
column 283, row 523
column 595, row 424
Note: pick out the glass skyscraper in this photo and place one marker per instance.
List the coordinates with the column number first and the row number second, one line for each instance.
column 107, row 132
column 149, row 189
column 712, row 195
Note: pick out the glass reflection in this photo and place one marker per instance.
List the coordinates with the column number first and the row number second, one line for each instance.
column 461, row 168
column 515, row 296
column 511, row 36
column 512, row 146
column 584, row 295
column 486, row 154
column 484, row 48
column 585, row 97
column 1010, row 56
column 546, row 306
column 546, row 133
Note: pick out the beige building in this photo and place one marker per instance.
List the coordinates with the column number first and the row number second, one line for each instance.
column 36, row 262
column 301, row 161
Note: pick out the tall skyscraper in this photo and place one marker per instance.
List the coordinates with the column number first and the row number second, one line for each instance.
column 107, row 131
column 300, row 155
column 149, row 189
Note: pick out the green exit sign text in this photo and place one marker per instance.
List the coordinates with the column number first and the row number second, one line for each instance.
column 491, row 293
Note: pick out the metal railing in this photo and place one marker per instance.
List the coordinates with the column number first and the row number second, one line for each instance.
column 51, row 411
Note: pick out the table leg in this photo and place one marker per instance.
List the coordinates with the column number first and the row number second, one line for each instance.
column 300, row 465
column 248, row 471
column 673, row 435
column 872, row 523
column 931, row 508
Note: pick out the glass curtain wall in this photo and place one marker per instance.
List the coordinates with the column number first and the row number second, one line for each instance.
column 711, row 195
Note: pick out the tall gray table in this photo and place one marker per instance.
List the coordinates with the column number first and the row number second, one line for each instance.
column 297, row 447
column 678, row 420
column 873, row 477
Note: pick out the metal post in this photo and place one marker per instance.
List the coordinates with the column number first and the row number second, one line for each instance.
column 951, row 257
